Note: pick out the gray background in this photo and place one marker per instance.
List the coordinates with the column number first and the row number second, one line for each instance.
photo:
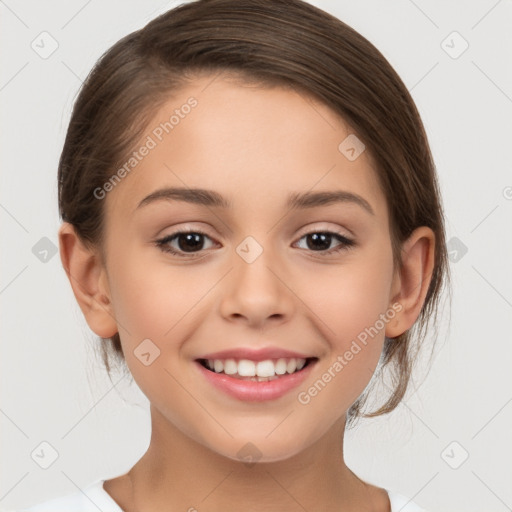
column 54, row 389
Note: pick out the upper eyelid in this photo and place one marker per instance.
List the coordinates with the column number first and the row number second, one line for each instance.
column 313, row 229
column 184, row 231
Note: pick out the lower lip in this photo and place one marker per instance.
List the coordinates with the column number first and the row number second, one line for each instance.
column 252, row 391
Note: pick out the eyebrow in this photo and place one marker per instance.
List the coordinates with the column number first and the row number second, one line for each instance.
column 295, row 200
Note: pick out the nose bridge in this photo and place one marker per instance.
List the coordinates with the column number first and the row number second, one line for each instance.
column 253, row 263
column 256, row 292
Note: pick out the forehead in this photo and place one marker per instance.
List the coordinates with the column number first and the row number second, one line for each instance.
column 252, row 144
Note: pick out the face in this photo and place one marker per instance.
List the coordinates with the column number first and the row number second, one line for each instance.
column 254, row 278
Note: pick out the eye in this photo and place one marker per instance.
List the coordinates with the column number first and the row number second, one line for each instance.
column 181, row 243
column 320, row 241
column 188, row 243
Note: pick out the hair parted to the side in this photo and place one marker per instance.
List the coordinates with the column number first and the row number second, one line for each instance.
column 275, row 42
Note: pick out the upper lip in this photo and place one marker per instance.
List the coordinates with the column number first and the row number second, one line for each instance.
column 255, row 354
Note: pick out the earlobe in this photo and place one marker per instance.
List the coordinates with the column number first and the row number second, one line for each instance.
column 88, row 280
column 411, row 282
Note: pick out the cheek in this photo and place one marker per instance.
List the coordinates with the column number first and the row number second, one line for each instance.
column 150, row 298
column 154, row 302
column 349, row 303
column 349, row 299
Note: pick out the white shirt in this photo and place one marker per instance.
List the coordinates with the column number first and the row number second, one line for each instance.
column 94, row 498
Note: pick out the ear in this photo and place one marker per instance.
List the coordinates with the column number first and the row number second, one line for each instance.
column 411, row 282
column 88, row 280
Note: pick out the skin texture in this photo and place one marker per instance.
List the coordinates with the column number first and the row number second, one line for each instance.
column 253, row 145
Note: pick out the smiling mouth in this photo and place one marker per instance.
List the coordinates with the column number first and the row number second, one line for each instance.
column 257, row 371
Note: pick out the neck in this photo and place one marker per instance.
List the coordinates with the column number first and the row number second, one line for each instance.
column 178, row 473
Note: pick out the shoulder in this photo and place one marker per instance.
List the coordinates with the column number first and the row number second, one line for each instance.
column 400, row 503
column 91, row 499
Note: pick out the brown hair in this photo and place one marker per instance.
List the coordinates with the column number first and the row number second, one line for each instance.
column 275, row 42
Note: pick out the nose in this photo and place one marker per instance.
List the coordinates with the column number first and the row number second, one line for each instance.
column 257, row 292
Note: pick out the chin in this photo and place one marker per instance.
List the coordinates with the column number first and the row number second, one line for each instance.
column 258, row 449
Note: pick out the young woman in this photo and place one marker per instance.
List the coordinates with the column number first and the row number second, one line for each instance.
column 253, row 226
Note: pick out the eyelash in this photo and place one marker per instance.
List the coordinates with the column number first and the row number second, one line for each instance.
column 162, row 243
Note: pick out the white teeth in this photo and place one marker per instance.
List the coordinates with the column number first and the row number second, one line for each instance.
column 260, row 371
column 280, row 368
column 247, row 368
column 265, row 369
column 230, row 367
column 291, row 366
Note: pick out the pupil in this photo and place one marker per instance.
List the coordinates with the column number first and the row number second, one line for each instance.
column 323, row 241
column 193, row 241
